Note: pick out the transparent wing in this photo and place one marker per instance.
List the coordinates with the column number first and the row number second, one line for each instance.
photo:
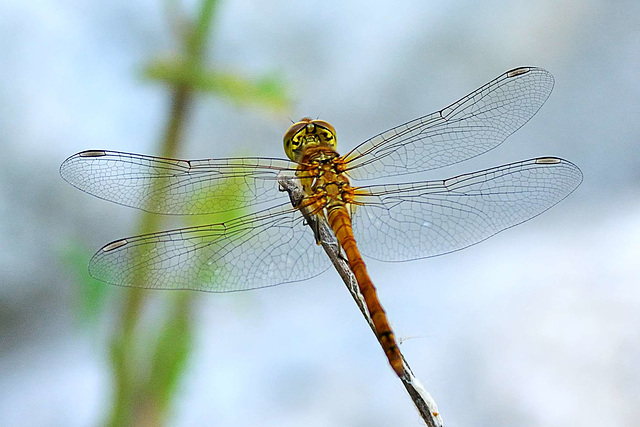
column 172, row 186
column 408, row 221
column 263, row 249
column 467, row 128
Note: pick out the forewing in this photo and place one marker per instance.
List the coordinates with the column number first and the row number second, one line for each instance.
column 408, row 221
column 263, row 249
column 467, row 128
column 173, row 186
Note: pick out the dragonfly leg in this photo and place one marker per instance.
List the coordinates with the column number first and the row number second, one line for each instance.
column 341, row 254
column 315, row 226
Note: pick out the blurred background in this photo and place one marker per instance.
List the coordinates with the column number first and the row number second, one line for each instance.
column 538, row 326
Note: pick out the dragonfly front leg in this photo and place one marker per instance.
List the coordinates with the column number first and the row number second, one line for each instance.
column 320, row 228
column 293, row 189
column 324, row 234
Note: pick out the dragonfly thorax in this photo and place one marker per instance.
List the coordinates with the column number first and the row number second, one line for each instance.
column 308, row 133
column 321, row 173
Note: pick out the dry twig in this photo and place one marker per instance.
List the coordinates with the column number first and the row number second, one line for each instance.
column 421, row 398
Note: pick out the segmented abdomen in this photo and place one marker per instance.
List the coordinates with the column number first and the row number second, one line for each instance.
column 340, row 222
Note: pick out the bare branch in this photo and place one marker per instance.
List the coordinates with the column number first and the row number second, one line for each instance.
column 421, row 398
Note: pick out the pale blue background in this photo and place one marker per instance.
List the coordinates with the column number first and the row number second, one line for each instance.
column 538, row 326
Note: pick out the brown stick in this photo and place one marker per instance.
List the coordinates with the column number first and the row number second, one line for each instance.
column 421, row 398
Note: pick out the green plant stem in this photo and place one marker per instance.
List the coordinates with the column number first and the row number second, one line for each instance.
column 134, row 403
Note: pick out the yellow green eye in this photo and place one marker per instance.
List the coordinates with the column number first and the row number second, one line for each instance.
column 307, row 132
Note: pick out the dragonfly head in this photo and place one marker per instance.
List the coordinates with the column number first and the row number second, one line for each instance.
column 307, row 133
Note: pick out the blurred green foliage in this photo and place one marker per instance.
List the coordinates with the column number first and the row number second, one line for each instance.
column 91, row 294
column 171, row 352
column 148, row 362
column 268, row 91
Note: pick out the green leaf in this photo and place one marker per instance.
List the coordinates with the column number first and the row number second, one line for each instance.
column 215, row 192
column 268, row 91
column 90, row 295
column 172, row 350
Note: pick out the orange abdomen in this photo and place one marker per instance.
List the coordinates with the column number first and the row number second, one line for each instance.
column 340, row 222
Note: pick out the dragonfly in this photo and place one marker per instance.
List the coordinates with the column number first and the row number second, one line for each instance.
column 271, row 242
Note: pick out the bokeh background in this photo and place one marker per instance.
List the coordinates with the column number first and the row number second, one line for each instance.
column 538, row 326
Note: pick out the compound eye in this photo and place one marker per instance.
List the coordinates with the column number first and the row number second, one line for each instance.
column 325, row 126
column 328, row 132
column 292, row 139
column 293, row 130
